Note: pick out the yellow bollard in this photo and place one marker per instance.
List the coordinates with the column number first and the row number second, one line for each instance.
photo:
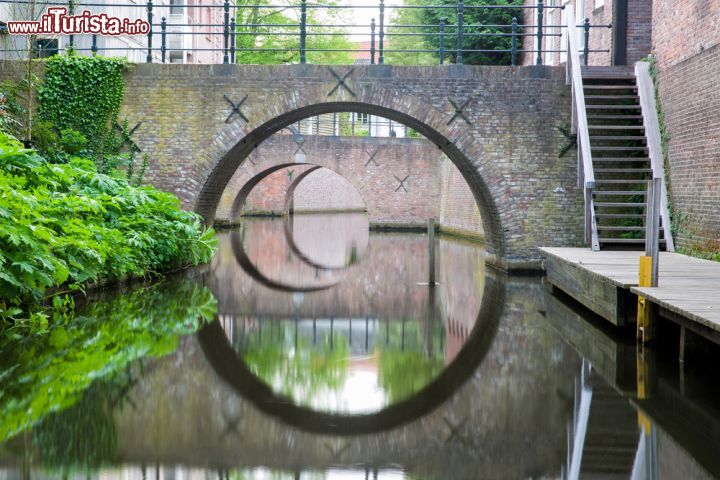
column 644, row 327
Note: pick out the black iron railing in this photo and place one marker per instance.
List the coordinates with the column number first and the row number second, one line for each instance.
column 532, row 34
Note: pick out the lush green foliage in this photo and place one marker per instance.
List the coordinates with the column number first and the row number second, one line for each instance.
column 65, row 222
column 11, row 109
column 284, row 45
column 475, row 21
column 48, row 371
column 83, row 94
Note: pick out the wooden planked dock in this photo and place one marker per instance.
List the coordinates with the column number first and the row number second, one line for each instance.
column 606, row 281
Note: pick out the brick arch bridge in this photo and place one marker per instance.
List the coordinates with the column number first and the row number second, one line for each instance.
column 499, row 125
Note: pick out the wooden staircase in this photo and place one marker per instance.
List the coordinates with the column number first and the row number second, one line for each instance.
column 620, row 156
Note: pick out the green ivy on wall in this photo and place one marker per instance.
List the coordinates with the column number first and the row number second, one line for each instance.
column 83, row 94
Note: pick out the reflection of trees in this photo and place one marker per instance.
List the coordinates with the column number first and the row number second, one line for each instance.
column 302, row 370
column 406, row 371
column 49, row 372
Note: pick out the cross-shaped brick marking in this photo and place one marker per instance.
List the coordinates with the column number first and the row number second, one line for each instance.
column 235, row 109
column 371, row 158
column 126, row 137
column 402, row 182
column 341, row 81
column 458, row 111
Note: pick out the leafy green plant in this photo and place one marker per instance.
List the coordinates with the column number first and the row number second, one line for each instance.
column 83, row 94
column 67, row 223
column 11, row 109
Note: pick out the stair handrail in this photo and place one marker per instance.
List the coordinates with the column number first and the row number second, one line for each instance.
column 586, row 174
column 648, row 106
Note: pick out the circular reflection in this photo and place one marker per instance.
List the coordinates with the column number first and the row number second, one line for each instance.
column 313, row 376
column 326, row 221
column 247, row 265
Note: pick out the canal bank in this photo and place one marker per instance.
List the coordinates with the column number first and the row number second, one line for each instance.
column 606, row 282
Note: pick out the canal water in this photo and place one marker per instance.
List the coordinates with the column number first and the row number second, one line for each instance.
column 312, row 348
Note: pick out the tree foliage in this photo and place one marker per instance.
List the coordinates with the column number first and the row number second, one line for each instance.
column 277, row 41
column 484, row 29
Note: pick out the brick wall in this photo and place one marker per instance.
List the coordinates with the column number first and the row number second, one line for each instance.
column 459, row 212
column 690, row 92
column 683, row 29
column 324, row 189
column 352, row 181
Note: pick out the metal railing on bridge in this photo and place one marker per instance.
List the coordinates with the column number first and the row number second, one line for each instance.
column 534, row 30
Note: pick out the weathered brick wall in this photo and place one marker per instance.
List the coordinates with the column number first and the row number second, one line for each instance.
column 324, row 189
column 684, row 28
column 506, row 145
column 690, row 92
column 375, row 181
column 459, row 213
column 639, row 29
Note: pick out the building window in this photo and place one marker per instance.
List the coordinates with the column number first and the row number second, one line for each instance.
column 45, row 47
column 175, row 7
column 363, row 118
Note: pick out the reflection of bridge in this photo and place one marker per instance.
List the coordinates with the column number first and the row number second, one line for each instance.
column 479, row 428
column 384, row 284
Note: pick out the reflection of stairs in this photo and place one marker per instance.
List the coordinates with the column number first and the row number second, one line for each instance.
column 611, row 438
column 620, row 155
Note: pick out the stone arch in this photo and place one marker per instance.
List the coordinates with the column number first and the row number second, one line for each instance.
column 455, row 140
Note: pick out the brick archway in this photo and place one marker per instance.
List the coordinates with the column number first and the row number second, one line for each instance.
column 454, row 140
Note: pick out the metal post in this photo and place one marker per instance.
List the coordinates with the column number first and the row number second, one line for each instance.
column 163, row 39
column 655, row 253
column 303, row 30
column 233, row 27
column 586, row 48
column 460, row 8
column 148, row 59
column 381, row 57
column 431, row 251
column 71, row 11
column 442, row 40
column 372, row 41
column 514, row 42
column 226, row 31
column 539, row 31
column 94, row 47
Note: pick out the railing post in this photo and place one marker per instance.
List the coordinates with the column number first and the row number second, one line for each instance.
column 442, row 40
column 461, row 20
column 303, row 31
column 226, row 31
column 71, row 11
column 586, row 48
column 94, row 47
column 148, row 59
column 513, row 53
column 372, row 41
column 381, row 39
column 163, row 39
column 538, row 60
column 233, row 27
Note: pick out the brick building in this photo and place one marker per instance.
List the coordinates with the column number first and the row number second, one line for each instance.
column 683, row 36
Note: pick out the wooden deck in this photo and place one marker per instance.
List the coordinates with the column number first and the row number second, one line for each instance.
column 688, row 287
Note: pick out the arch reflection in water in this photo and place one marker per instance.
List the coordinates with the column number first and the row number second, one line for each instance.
column 377, row 343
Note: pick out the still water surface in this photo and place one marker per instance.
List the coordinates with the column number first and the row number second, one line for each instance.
column 314, row 350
